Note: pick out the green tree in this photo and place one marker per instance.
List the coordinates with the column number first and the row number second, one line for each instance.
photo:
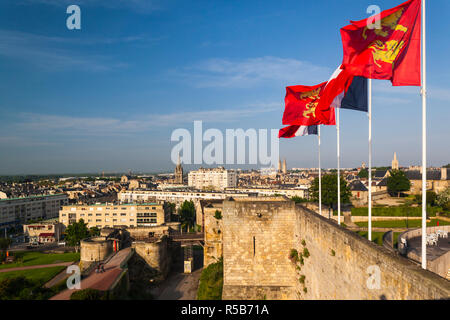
column 94, row 232
column 329, row 190
column 431, row 198
column 363, row 173
column 443, row 199
column 297, row 199
column 398, row 182
column 187, row 215
column 75, row 232
column 4, row 243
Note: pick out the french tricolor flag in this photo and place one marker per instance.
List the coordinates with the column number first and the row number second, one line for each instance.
column 297, row 131
column 342, row 90
column 346, row 91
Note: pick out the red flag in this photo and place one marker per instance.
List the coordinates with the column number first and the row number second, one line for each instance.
column 390, row 53
column 300, row 106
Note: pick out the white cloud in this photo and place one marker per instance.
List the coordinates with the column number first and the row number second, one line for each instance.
column 253, row 71
column 46, row 51
column 68, row 125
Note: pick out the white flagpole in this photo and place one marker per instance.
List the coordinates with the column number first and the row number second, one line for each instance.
column 320, row 176
column 424, row 142
column 370, row 159
column 338, row 167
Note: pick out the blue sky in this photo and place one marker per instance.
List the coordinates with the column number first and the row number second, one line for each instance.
column 108, row 96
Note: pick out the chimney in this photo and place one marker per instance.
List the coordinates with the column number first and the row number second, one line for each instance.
column 443, row 173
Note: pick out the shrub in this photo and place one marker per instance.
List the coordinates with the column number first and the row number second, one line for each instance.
column 218, row 215
column 211, row 282
column 395, row 211
column 87, row 294
column 293, row 255
column 305, row 252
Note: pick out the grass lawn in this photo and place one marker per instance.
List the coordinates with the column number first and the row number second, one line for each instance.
column 40, row 276
column 36, row 258
column 377, row 237
column 416, row 223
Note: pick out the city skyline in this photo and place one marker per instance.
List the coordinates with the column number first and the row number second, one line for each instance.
column 108, row 96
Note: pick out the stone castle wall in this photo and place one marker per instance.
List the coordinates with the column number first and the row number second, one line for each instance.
column 257, row 237
column 156, row 254
column 341, row 263
column 213, row 230
column 259, row 234
column 95, row 249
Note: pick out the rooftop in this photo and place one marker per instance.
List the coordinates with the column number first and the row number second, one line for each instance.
column 34, row 197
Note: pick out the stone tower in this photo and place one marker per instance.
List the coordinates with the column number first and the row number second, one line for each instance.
column 284, row 166
column 394, row 164
column 279, row 165
column 179, row 172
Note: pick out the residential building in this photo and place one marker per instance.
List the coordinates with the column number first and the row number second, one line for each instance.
column 174, row 196
column 216, row 178
column 43, row 232
column 16, row 211
column 108, row 215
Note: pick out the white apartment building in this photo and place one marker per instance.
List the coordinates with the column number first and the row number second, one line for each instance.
column 216, row 178
column 15, row 211
column 174, row 196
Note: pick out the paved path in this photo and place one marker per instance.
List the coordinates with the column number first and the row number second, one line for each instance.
column 100, row 281
column 65, row 264
column 180, row 286
column 59, row 277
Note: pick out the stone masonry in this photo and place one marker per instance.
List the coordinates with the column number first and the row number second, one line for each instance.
column 259, row 234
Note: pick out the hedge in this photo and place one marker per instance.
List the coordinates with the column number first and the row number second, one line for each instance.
column 396, row 211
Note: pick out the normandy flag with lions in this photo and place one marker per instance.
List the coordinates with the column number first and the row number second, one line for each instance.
column 389, row 51
column 301, row 111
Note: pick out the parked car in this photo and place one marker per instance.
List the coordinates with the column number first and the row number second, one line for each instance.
column 62, row 243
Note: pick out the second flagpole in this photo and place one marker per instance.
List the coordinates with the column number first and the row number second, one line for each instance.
column 320, row 178
column 338, row 166
column 370, row 158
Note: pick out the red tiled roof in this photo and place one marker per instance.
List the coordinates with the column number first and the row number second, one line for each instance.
column 46, row 234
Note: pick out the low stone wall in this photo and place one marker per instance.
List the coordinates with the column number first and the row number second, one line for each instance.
column 388, row 240
column 342, row 264
column 440, row 265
